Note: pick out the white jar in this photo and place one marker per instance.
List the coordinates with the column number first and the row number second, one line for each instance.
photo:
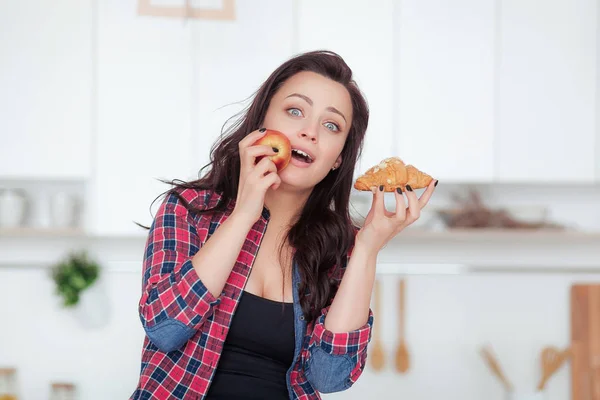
column 13, row 208
column 62, row 391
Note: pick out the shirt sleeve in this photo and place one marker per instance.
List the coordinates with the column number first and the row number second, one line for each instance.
column 336, row 359
column 350, row 343
column 174, row 301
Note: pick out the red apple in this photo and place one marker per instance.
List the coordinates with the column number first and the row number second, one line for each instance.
column 279, row 141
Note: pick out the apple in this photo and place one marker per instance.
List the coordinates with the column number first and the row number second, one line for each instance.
column 280, row 143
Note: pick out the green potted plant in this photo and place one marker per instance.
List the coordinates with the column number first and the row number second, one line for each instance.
column 74, row 274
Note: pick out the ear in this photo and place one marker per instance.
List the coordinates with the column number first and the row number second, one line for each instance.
column 338, row 162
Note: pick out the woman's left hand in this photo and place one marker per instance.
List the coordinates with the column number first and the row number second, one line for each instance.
column 382, row 225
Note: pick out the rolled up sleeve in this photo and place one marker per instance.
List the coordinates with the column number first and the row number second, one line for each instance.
column 174, row 301
column 336, row 359
column 341, row 343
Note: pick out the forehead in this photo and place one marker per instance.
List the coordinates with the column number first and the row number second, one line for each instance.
column 323, row 91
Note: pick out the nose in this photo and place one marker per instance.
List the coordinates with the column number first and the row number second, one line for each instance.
column 308, row 133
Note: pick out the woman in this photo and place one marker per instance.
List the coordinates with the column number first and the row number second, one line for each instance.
column 256, row 285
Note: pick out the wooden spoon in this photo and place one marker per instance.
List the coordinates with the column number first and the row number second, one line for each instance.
column 402, row 357
column 377, row 354
column 551, row 360
column 494, row 366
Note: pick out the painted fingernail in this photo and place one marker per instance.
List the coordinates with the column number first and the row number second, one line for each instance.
column 381, row 188
column 436, row 182
column 408, row 188
column 261, row 130
column 399, row 190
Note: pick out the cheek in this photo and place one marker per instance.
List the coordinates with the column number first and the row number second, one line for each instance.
column 279, row 122
column 332, row 148
column 269, row 118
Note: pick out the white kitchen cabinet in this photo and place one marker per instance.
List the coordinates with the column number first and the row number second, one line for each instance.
column 45, row 89
column 597, row 156
column 362, row 33
column 547, row 91
column 145, row 90
column 444, row 114
column 230, row 61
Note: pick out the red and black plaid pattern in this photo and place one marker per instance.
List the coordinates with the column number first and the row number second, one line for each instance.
column 172, row 290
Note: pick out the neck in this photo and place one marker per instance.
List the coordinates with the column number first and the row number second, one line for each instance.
column 285, row 205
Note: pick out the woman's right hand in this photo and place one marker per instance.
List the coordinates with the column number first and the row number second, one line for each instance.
column 255, row 178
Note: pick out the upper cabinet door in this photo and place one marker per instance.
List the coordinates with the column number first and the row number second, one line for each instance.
column 547, row 87
column 45, row 89
column 144, row 111
column 445, row 87
column 231, row 59
column 597, row 155
column 363, row 34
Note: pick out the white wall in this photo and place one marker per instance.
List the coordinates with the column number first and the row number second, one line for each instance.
column 46, row 343
column 448, row 318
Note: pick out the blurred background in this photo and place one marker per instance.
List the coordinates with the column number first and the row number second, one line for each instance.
column 498, row 99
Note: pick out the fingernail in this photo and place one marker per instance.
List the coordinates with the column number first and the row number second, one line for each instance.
column 399, row 190
column 436, row 182
column 408, row 188
column 261, row 130
column 381, row 188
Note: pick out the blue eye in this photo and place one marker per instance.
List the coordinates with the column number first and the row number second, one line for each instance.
column 332, row 127
column 295, row 112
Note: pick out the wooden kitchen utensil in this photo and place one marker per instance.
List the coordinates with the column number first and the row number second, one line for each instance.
column 585, row 342
column 594, row 349
column 494, row 366
column 551, row 360
column 377, row 354
column 402, row 356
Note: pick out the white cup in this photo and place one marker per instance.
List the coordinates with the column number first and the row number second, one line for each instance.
column 64, row 210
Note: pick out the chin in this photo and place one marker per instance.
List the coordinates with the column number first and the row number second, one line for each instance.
column 299, row 178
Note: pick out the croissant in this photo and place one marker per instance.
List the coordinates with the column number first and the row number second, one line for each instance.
column 392, row 173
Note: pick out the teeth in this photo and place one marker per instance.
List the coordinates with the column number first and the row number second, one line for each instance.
column 303, row 154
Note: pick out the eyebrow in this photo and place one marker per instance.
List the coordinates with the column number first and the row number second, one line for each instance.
column 309, row 101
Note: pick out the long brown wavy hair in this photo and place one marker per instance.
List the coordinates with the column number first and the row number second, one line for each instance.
column 324, row 233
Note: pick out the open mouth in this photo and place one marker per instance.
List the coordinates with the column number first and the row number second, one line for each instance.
column 301, row 156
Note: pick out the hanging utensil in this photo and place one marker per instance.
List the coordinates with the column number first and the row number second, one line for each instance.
column 377, row 355
column 551, row 360
column 402, row 356
column 494, row 366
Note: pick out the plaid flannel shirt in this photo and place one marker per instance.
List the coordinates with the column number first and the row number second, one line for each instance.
column 186, row 325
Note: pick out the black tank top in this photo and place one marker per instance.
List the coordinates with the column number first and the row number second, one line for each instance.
column 258, row 351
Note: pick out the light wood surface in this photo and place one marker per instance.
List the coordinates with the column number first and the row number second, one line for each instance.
column 585, row 342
